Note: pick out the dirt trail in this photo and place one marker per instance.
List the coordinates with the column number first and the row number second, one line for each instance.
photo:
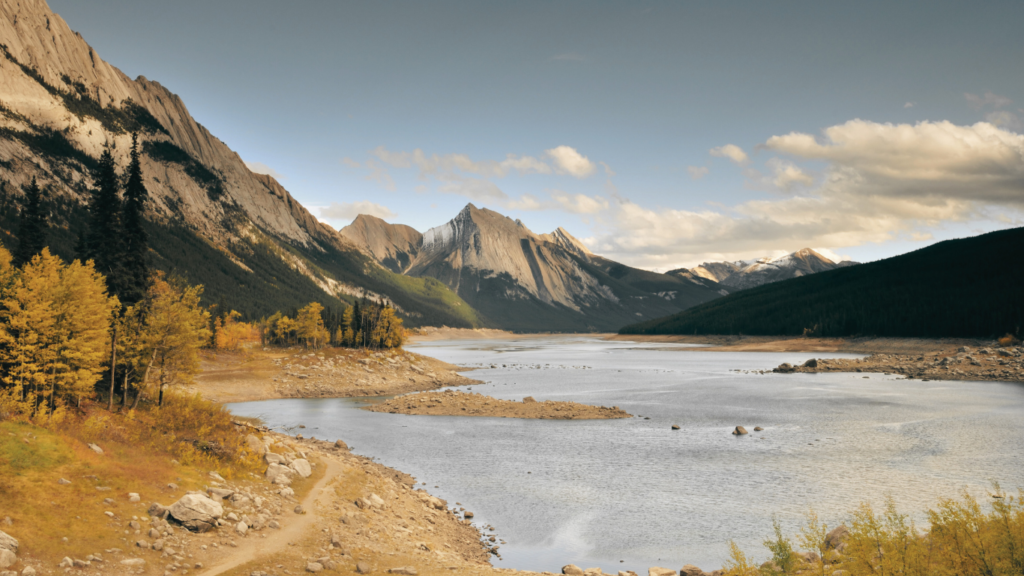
column 250, row 549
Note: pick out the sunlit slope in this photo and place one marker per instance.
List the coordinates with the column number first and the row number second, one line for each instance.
column 973, row 287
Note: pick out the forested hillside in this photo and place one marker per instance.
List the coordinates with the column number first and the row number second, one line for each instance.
column 972, row 287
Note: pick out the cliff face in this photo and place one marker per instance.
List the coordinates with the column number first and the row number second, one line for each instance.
column 395, row 246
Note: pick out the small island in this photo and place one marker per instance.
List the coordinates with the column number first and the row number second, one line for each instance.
column 453, row 403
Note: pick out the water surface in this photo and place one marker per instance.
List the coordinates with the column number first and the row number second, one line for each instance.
column 599, row 492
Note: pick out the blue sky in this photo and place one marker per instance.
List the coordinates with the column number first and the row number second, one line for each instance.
column 663, row 134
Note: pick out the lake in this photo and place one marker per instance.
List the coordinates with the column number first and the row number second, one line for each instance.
column 629, row 494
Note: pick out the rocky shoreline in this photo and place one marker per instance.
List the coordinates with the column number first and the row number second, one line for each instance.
column 963, row 363
column 452, row 403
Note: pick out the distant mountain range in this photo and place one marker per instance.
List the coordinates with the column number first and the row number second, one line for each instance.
column 745, row 274
column 520, row 280
column 913, row 295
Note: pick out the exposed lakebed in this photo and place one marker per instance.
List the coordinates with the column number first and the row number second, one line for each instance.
column 595, row 492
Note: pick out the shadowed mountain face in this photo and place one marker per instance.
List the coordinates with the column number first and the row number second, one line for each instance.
column 211, row 219
column 751, row 273
column 524, row 281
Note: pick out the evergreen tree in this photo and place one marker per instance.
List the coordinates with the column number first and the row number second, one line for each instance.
column 103, row 241
column 32, row 226
column 135, row 239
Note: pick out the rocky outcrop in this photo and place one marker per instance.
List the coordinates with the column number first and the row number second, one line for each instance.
column 395, row 246
column 751, row 273
column 196, row 512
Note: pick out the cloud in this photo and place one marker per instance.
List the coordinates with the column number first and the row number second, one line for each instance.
column 732, row 152
column 1005, row 119
column 910, row 104
column 697, row 172
column 380, row 175
column 350, row 162
column 434, row 164
column 473, row 188
column 568, row 161
column 988, row 100
column 579, row 203
column 261, row 168
column 607, row 170
column 787, row 175
column 349, row 210
column 880, row 182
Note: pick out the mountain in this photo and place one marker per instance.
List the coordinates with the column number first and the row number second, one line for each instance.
column 967, row 288
column 751, row 273
column 520, row 280
column 211, row 219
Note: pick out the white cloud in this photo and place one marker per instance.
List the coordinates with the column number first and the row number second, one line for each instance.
column 1006, row 119
column 697, row 172
column 473, row 188
column 261, row 168
column 350, row 162
column 880, row 182
column 910, row 104
column 788, row 175
column 579, row 203
column 988, row 100
column 568, row 161
column 434, row 164
column 607, row 169
column 732, row 152
column 380, row 175
column 349, row 210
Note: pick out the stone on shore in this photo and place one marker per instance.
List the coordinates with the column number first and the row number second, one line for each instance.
column 675, row 426
column 302, row 467
column 812, row 363
column 784, row 368
column 658, row 571
column 276, row 471
column 572, row 569
column 690, row 570
column 363, row 568
column 836, row 539
column 739, row 431
column 340, row 444
column 196, row 512
column 220, row 493
column 314, row 567
column 255, row 445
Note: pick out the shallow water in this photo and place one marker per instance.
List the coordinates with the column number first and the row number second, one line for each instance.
column 595, row 493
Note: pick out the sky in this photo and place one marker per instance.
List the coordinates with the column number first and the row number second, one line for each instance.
column 662, row 134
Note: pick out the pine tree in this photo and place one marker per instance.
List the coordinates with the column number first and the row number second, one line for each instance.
column 103, row 241
column 32, row 226
column 135, row 239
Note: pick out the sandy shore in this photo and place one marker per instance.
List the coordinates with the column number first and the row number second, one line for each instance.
column 452, row 403
column 330, row 373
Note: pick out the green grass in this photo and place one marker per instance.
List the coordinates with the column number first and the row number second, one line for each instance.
column 43, row 452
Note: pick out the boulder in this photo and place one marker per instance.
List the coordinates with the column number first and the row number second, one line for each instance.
column 340, row 444
column 836, row 539
column 67, row 562
column 376, row 501
column 28, row 571
column 675, row 426
column 468, row 514
column 658, row 571
column 220, row 493
column 739, row 431
column 276, row 471
column 572, row 569
column 301, row 467
column 690, row 570
column 758, row 429
column 784, row 368
column 63, row 482
column 314, row 567
column 812, row 363
column 7, row 558
column 241, row 528
column 363, row 568
column 134, row 497
column 255, row 445
column 96, row 449
column 196, row 512
column 593, row 572
column 8, row 542
column 158, row 510
column 271, row 458
column 529, row 400
column 216, row 477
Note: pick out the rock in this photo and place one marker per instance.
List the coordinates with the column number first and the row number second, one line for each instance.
column 8, row 542
column 158, row 545
column 278, row 474
column 95, row 448
column 593, row 572
column 758, row 429
column 468, row 514
column 529, row 400
column 739, row 431
column 28, row 571
column 363, row 568
column 7, row 558
column 784, row 368
column 314, row 567
column 241, row 528
column 133, row 562
column 274, row 524
column 302, row 467
column 255, row 445
column 63, row 482
column 376, row 501
column 690, row 570
column 142, row 544
column 134, row 497
column 810, row 557
column 658, row 571
column 812, row 363
column 66, row 563
column 340, row 444
column 406, row 570
column 217, row 477
column 80, row 563
column 172, row 486
column 299, row 510
column 572, row 569
column 271, row 458
column 836, row 539
column 158, row 510
column 196, row 512
column 675, row 426
column 220, row 493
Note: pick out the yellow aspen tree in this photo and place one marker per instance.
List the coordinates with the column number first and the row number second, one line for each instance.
column 29, row 321
column 310, row 325
column 347, row 336
column 176, row 328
